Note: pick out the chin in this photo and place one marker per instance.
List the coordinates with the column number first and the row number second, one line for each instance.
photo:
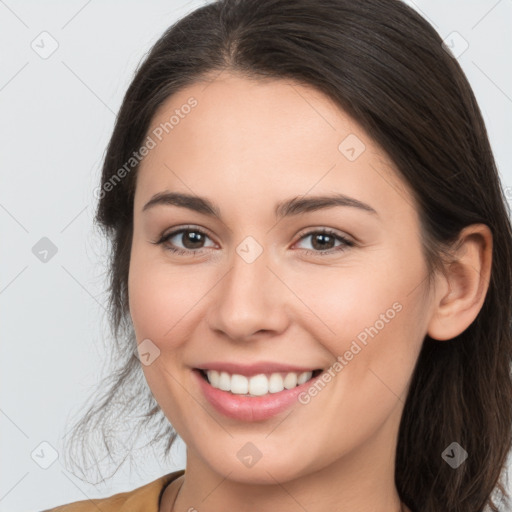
column 265, row 470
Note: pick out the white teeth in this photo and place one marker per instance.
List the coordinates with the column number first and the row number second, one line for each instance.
column 290, row 381
column 239, row 385
column 303, row 377
column 224, row 382
column 257, row 385
column 275, row 383
column 214, row 378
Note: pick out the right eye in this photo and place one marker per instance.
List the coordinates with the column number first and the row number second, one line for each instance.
column 190, row 236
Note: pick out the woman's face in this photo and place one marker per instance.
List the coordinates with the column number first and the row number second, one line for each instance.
column 257, row 284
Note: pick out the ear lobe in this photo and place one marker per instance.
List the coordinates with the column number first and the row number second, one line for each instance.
column 467, row 280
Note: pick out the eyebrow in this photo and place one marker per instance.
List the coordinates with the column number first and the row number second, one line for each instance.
column 290, row 207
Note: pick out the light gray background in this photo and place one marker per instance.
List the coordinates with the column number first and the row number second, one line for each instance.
column 56, row 119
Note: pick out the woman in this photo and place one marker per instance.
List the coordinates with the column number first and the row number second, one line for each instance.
column 312, row 254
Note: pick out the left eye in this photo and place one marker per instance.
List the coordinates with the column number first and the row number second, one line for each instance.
column 322, row 241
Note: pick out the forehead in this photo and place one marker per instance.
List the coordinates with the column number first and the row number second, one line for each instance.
column 237, row 114
column 264, row 139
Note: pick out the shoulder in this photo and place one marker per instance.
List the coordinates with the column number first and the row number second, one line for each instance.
column 142, row 499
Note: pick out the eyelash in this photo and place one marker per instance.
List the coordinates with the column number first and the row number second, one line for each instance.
column 324, row 231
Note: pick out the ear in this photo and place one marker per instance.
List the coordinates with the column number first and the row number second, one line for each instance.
column 461, row 291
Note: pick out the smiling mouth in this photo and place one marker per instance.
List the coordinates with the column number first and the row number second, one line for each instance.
column 256, row 385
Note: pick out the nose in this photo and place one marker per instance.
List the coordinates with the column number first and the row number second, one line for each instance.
column 250, row 300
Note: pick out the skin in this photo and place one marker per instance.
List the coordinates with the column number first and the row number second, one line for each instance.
column 246, row 146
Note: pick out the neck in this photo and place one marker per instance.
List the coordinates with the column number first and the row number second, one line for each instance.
column 362, row 480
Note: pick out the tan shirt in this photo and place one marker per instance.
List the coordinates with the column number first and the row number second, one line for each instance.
column 143, row 499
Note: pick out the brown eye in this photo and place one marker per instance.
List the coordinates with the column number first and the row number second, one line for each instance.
column 323, row 242
column 192, row 240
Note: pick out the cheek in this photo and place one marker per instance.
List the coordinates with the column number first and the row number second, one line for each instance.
column 344, row 302
column 150, row 305
column 159, row 296
column 158, row 310
column 373, row 314
column 167, row 306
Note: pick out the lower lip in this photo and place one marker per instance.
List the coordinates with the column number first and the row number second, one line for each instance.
column 248, row 408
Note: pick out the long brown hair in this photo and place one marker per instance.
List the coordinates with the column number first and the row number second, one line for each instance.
column 386, row 67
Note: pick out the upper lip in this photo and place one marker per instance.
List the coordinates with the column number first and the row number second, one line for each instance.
column 254, row 368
